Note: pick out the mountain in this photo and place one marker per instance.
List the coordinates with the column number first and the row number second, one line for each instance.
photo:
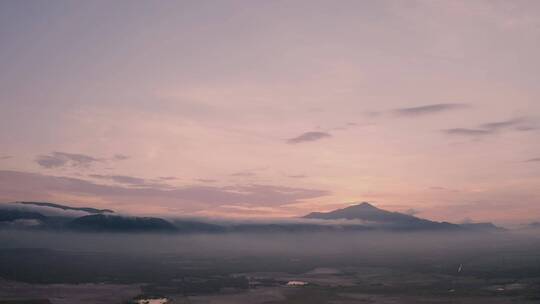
column 64, row 207
column 115, row 223
column 97, row 220
column 9, row 215
column 374, row 216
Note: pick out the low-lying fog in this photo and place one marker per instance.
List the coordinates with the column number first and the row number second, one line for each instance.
column 301, row 244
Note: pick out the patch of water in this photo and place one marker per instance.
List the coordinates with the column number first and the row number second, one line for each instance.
column 153, row 301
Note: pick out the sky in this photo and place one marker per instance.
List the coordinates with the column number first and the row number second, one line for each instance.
column 273, row 108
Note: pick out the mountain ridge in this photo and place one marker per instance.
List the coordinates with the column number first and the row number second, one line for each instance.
column 116, row 223
column 373, row 219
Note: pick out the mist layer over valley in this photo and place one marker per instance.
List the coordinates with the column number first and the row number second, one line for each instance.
column 357, row 252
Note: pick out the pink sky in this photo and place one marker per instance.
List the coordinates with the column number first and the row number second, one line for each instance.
column 273, row 108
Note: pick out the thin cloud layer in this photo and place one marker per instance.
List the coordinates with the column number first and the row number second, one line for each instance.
column 244, row 174
column 16, row 185
column 491, row 128
column 467, row 132
column 120, row 157
column 122, row 179
column 206, row 180
column 308, row 137
column 62, row 159
column 506, row 124
column 532, row 160
column 428, row 109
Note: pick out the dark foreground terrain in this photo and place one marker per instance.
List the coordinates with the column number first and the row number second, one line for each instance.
column 361, row 267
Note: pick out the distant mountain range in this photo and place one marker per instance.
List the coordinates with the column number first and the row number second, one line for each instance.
column 13, row 215
column 360, row 217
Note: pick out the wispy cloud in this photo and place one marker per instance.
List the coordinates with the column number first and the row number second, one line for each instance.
column 132, row 181
column 206, row 180
column 308, row 137
column 325, row 132
column 532, row 160
column 120, row 157
column 5, row 157
column 428, row 109
column 505, row 124
column 411, row 211
column 244, row 174
column 467, row 132
column 437, row 188
column 297, row 176
column 349, row 125
column 122, row 179
column 515, row 124
column 373, row 114
column 64, row 159
column 61, row 159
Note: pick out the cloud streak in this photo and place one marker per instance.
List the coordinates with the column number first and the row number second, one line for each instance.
column 467, row 132
column 491, row 128
column 428, row 109
column 505, row 124
column 206, row 180
column 244, row 174
column 122, row 179
column 120, row 157
column 308, row 137
column 62, row 159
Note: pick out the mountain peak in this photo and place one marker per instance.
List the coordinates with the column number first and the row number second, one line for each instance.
column 367, row 212
column 364, row 205
column 362, row 211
